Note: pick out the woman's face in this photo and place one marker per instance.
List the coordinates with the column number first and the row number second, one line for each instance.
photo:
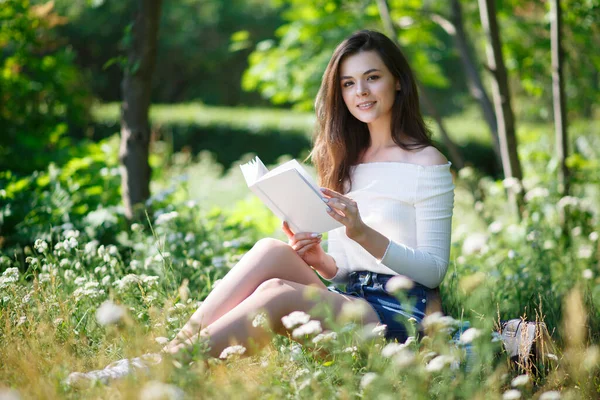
column 368, row 87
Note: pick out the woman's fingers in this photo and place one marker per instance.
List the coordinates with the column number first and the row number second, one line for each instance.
column 337, row 200
column 303, row 243
column 286, row 229
column 306, row 248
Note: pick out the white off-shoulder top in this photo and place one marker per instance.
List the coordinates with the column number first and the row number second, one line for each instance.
column 412, row 206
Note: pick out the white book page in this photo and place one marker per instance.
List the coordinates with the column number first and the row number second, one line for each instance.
column 253, row 170
column 294, row 164
column 298, row 201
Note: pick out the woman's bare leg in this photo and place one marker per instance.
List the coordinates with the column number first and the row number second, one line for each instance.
column 276, row 297
column 269, row 258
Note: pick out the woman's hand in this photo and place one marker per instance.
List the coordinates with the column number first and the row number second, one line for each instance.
column 307, row 246
column 345, row 210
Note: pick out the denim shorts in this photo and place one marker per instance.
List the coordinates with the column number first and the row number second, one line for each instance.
column 370, row 286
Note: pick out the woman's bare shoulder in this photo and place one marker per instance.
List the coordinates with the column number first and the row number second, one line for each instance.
column 426, row 157
column 429, row 156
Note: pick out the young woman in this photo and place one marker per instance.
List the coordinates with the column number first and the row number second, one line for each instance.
column 385, row 182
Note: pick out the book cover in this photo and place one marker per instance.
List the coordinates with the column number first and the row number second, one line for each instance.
column 291, row 194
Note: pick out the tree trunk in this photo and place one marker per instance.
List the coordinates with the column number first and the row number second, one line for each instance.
column 454, row 152
column 558, row 96
column 476, row 87
column 501, row 94
column 135, row 127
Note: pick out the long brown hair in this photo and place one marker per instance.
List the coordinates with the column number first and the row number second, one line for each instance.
column 340, row 138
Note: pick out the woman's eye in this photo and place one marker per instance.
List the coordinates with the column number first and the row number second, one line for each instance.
column 346, row 84
column 373, row 77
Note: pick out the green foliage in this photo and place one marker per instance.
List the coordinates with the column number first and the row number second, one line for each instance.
column 195, row 61
column 228, row 133
column 159, row 272
column 42, row 95
column 32, row 205
column 312, row 31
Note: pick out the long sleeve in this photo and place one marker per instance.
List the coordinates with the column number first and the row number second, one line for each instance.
column 428, row 261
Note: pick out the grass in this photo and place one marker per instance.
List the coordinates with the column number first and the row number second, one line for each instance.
column 500, row 268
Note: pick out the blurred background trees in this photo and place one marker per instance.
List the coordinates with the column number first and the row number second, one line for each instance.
column 241, row 75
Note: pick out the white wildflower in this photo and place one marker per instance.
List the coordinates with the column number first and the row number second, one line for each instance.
column 398, row 283
column 512, row 394
column 324, row 337
column 593, row 236
column 91, row 247
column 137, row 227
column 548, row 244
column 469, row 335
column 312, row 327
column 585, row 251
column 109, row 313
column 161, row 340
column 189, row 237
column 392, row 348
column 588, row 274
column 106, row 280
column 438, row 321
column 511, row 254
column 80, row 280
column 466, row 172
column 495, row 227
column 568, row 201
column 295, row 318
column 300, row 373
column 520, row 380
column 260, row 320
column 552, row 356
column 403, row 358
column 576, row 231
column 550, row 395
column 43, row 278
column 232, row 351
column 352, row 349
column 438, row 363
column 379, row 330
column 513, row 184
column 40, row 245
column 32, row 261
column 71, row 233
column 367, row 379
column 58, row 321
column 474, row 243
column 150, row 280
column 537, row 193
column 27, row 298
column 22, row 320
column 166, row 217
column 155, row 390
column 9, row 276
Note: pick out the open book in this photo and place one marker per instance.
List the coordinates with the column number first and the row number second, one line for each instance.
column 291, row 193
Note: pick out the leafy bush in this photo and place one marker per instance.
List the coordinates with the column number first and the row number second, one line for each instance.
column 42, row 95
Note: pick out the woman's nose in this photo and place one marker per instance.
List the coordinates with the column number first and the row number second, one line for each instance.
column 361, row 89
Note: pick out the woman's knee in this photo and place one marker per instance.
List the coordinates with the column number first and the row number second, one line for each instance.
column 272, row 287
column 274, row 248
column 267, row 244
